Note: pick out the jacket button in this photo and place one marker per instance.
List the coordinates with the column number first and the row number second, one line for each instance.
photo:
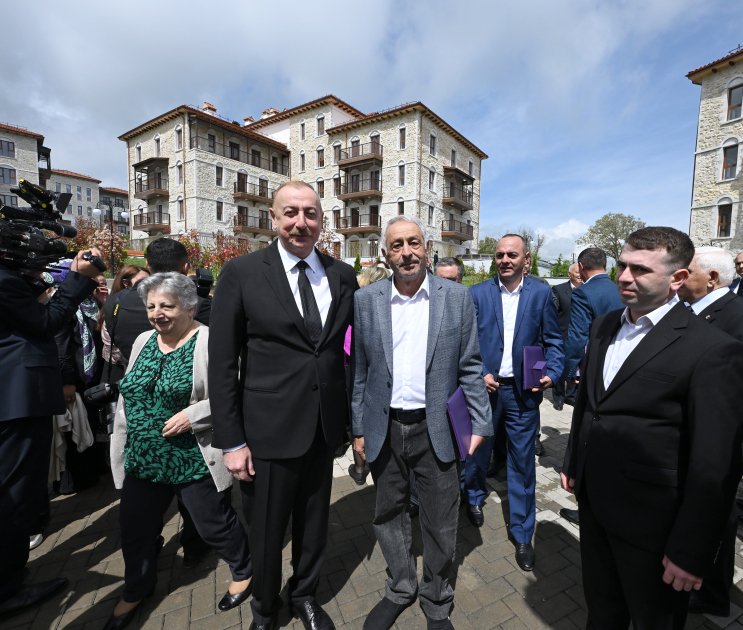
column 211, row 462
column 314, row 387
column 596, row 417
column 389, row 384
column 317, row 353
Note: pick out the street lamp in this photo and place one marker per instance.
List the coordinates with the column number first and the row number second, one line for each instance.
column 99, row 213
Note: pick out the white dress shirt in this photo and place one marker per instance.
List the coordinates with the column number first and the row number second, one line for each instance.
column 409, row 346
column 510, row 302
column 315, row 274
column 708, row 299
column 628, row 337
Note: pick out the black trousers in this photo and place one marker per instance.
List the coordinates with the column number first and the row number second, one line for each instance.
column 141, row 510
column 623, row 583
column 298, row 487
column 25, row 445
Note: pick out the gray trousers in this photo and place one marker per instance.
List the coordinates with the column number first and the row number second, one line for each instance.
column 407, row 450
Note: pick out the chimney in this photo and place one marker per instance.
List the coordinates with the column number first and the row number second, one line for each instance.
column 247, row 120
column 208, row 108
column 268, row 112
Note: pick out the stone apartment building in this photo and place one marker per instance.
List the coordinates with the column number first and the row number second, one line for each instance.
column 717, row 199
column 191, row 169
column 116, row 200
column 22, row 156
column 84, row 191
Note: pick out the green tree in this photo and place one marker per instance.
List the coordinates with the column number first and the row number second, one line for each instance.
column 487, row 245
column 357, row 264
column 493, row 271
column 534, row 269
column 613, row 274
column 610, row 231
column 560, row 268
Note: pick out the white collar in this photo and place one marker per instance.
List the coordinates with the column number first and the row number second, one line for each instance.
column 289, row 260
column 653, row 317
column 396, row 295
column 518, row 289
column 708, row 299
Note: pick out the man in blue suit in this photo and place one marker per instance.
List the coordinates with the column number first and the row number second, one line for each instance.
column 513, row 311
column 596, row 296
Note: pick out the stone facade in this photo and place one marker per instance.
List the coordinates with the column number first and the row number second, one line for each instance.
column 222, row 167
column 19, row 159
column 84, row 190
column 717, row 203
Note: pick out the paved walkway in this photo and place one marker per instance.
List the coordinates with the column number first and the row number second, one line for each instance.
column 491, row 592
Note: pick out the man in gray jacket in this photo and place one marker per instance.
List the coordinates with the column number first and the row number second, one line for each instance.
column 415, row 342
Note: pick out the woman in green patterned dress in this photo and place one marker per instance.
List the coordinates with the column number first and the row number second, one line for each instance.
column 161, row 447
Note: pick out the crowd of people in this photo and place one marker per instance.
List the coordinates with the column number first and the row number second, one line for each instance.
column 295, row 356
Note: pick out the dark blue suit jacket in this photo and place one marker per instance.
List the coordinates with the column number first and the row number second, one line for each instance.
column 536, row 325
column 596, row 297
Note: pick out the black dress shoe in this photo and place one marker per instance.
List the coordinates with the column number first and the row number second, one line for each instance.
column 525, row 557
column 116, row 622
column 30, row 595
column 358, row 477
column 229, row 601
column 268, row 625
column 571, row 516
column 538, row 448
column 474, row 513
column 384, row 615
column 313, row 616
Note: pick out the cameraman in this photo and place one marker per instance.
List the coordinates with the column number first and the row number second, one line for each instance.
column 125, row 323
column 30, row 393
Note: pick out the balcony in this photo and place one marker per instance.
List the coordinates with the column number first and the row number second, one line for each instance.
column 277, row 164
column 454, row 171
column 147, row 189
column 457, row 230
column 247, row 224
column 358, row 224
column 244, row 191
column 460, row 198
column 152, row 221
column 360, row 154
column 357, row 188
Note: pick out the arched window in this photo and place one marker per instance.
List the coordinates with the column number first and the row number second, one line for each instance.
column 729, row 158
column 724, row 217
column 735, row 98
column 178, row 137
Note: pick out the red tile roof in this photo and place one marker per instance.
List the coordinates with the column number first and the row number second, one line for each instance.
column 20, row 130
column 292, row 111
column 731, row 58
column 57, row 171
column 114, row 191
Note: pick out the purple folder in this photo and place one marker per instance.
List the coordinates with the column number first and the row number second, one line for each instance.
column 461, row 423
column 533, row 366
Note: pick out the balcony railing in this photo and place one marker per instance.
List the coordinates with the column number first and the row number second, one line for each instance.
column 360, row 153
column 249, row 189
column 147, row 185
column 240, row 154
column 146, row 219
column 253, row 223
column 363, row 249
column 452, row 228
column 358, row 221
column 359, row 187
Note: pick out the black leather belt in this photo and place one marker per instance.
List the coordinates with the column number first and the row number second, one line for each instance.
column 506, row 380
column 410, row 416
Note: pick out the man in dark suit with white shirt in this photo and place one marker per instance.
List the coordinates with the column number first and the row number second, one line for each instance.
column 562, row 297
column 278, row 395
column 653, row 458
column 736, row 286
column 707, row 291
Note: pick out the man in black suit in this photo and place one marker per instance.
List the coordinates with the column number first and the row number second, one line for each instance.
column 562, row 296
column 30, row 393
column 127, row 322
column 278, row 395
column 707, row 291
column 737, row 285
column 653, row 458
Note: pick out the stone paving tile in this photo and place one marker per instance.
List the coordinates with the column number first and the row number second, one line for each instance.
column 82, row 543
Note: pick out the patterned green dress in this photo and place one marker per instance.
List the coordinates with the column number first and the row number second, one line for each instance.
column 157, row 387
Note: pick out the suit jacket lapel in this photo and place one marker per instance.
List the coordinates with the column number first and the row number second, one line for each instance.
column 597, row 356
column 661, row 336
column 334, row 282
column 709, row 314
column 436, row 299
column 384, row 316
column 277, row 280
column 523, row 302
column 497, row 304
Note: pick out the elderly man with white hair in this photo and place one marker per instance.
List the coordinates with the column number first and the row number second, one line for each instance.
column 707, row 291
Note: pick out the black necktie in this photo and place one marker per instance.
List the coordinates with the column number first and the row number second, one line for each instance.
column 312, row 319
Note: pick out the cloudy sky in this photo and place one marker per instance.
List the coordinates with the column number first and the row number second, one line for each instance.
column 582, row 105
